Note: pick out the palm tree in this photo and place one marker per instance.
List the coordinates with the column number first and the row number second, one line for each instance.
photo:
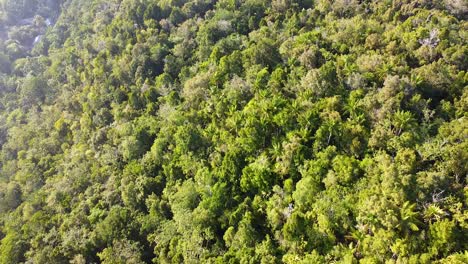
column 402, row 120
column 408, row 218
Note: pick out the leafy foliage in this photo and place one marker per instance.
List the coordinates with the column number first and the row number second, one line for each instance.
column 178, row 131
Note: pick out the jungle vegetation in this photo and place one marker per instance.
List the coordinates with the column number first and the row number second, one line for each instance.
column 233, row 131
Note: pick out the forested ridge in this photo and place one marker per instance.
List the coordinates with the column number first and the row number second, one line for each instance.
column 233, row 131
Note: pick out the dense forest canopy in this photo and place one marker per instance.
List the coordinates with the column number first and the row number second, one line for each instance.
column 233, row 131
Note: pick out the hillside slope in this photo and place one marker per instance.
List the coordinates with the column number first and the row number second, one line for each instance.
column 233, row 131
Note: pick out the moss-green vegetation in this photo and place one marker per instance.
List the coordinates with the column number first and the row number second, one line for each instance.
column 253, row 131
